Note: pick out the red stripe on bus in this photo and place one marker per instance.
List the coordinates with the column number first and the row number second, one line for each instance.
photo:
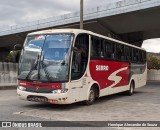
column 41, row 85
column 107, row 73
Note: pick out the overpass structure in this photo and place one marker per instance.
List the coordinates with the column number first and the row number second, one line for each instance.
column 131, row 21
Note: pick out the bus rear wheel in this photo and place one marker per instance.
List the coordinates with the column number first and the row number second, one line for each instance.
column 91, row 96
column 131, row 89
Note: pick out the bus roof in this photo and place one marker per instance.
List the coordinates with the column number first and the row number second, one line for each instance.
column 78, row 31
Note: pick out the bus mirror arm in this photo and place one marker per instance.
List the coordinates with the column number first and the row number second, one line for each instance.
column 75, row 49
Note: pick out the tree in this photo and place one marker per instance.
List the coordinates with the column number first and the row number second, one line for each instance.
column 153, row 62
column 13, row 56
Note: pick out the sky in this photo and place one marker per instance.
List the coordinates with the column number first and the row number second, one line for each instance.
column 18, row 11
column 152, row 45
column 14, row 12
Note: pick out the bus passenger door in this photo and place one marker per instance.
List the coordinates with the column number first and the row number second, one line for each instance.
column 79, row 65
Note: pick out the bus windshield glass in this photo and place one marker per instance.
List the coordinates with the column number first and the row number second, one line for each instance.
column 46, row 58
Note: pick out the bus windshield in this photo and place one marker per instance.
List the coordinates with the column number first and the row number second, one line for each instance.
column 46, row 58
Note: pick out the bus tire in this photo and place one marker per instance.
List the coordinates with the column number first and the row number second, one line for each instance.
column 131, row 89
column 91, row 96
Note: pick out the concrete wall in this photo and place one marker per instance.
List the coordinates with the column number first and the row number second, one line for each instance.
column 153, row 75
column 8, row 74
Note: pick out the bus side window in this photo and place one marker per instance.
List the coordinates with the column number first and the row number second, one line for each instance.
column 137, row 55
column 143, row 56
column 97, row 48
column 122, row 52
column 102, row 49
column 127, row 52
column 134, row 55
column 109, row 50
column 94, row 47
column 98, row 42
column 118, row 52
column 140, row 56
column 130, row 54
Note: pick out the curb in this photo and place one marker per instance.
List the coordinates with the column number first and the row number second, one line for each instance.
column 157, row 82
column 8, row 87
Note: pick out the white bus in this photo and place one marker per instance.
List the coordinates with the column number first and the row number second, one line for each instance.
column 64, row 66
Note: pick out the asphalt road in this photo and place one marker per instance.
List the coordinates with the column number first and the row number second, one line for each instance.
column 144, row 105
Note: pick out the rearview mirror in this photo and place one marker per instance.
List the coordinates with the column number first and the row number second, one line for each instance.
column 17, row 47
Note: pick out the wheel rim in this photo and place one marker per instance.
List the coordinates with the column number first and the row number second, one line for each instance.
column 91, row 96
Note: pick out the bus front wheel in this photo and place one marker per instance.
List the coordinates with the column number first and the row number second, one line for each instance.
column 91, row 96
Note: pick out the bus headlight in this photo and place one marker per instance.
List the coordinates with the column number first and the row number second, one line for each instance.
column 21, row 88
column 62, row 90
column 56, row 91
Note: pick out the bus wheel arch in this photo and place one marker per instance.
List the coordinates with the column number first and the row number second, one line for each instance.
column 96, row 87
column 92, row 94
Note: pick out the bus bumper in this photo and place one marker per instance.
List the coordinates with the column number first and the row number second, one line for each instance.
column 61, row 98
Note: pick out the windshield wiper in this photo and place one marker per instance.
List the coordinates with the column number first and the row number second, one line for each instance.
column 34, row 67
column 45, row 70
column 39, row 63
column 63, row 62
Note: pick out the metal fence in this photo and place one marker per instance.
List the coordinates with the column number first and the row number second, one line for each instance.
column 8, row 74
